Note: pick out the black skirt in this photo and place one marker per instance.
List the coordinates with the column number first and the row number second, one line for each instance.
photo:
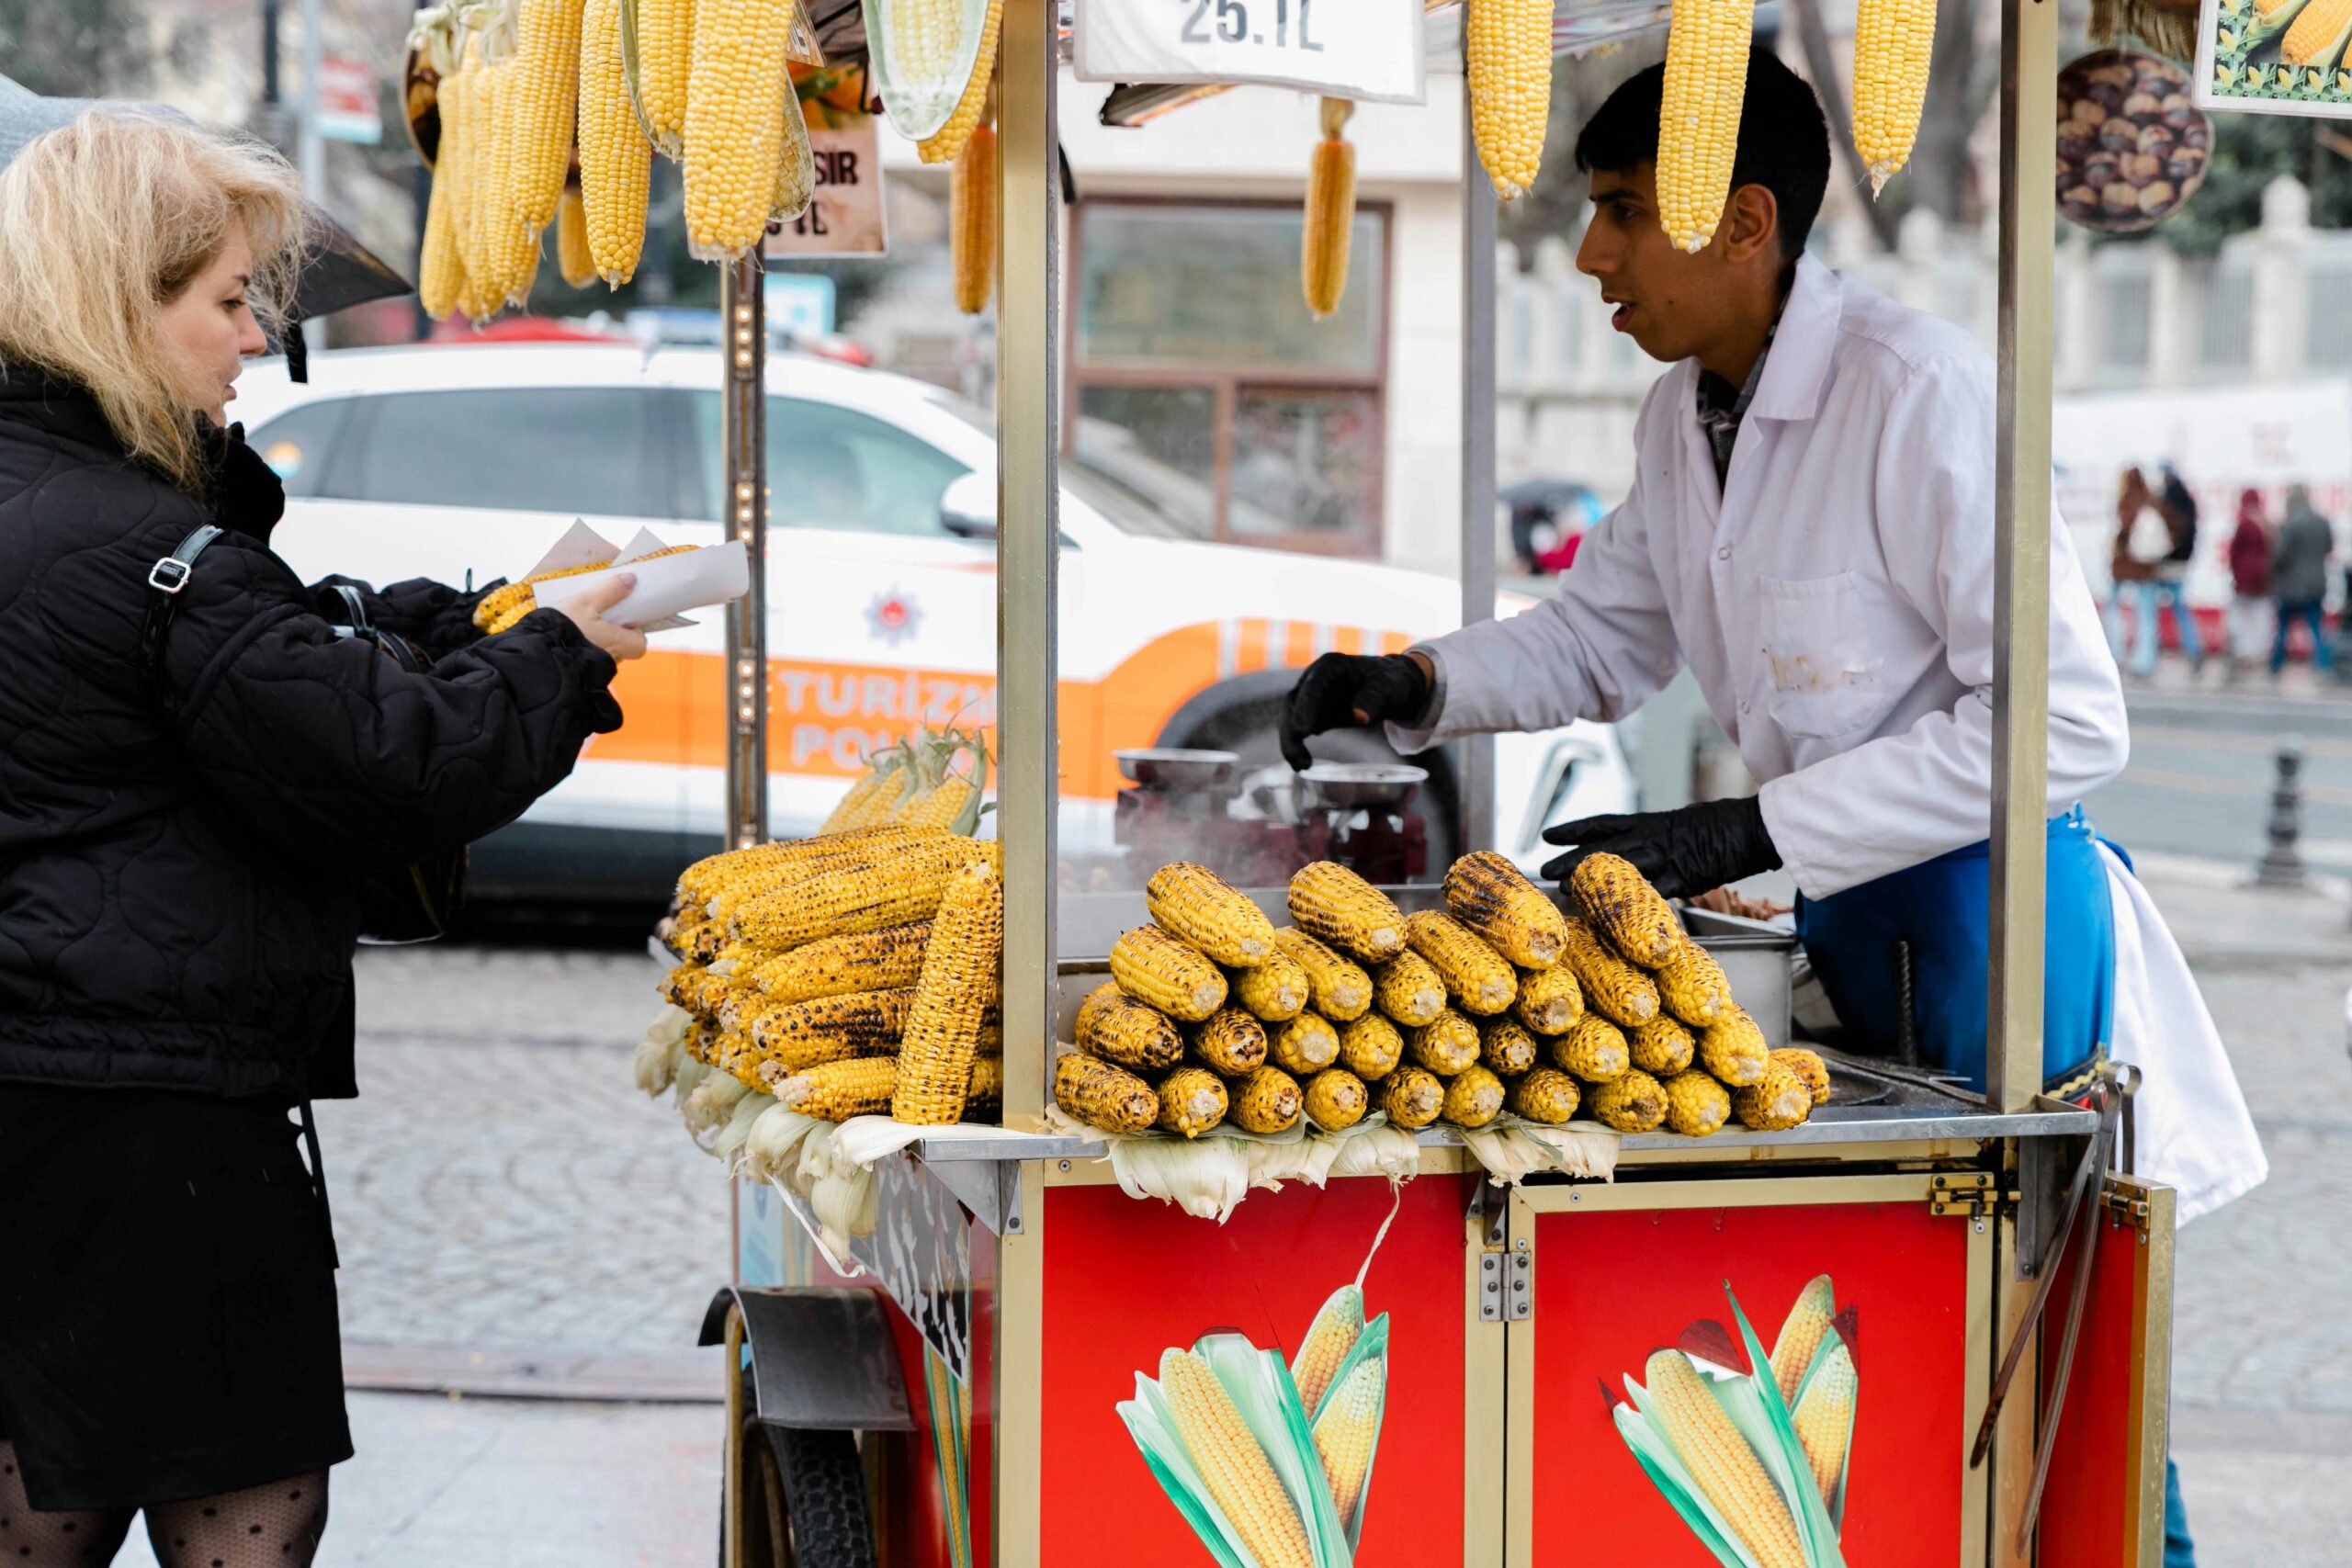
column 167, row 1305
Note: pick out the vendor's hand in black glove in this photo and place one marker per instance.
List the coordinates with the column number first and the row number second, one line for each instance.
column 1684, row 852
column 246, row 493
column 1343, row 689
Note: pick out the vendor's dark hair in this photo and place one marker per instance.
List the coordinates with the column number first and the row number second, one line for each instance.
column 1784, row 139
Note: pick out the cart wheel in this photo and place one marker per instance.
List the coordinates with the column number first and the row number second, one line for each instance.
column 767, row 1535
column 823, row 1492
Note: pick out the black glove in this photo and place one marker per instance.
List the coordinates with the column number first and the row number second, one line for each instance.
column 1684, row 852
column 1343, row 689
column 246, row 493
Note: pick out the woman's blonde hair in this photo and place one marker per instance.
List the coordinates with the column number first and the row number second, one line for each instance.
column 107, row 221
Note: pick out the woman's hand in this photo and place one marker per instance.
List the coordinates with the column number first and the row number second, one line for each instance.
column 587, row 612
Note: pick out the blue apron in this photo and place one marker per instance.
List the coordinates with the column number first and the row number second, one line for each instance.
column 1940, row 908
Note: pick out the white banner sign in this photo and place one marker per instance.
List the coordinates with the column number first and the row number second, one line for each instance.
column 846, row 219
column 1368, row 50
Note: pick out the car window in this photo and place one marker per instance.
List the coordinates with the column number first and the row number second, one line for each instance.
column 299, row 443
column 577, row 449
column 1130, row 510
column 830, row 468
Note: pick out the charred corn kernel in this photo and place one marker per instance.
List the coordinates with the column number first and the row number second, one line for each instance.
column 1335, row 1100
column 735, row 128
column 947, row 143
column 1159, row 971
column 1631, row 1102
column 1660, row 1046
column 1370, row 1046
column 1446, row 1046
column 675, row 986
column 838, row 966
column 1307, row 1044
column 1550, row 1000
column 1892, row 40
column 539, row 114
column 1620, row 903
column 1345, row 1432
column 1808, row 1067
column 1507, row 53
column 1330, row 212
column 1733, row 1049
column 1266, row 1100
column 1240, row 1479
column 856, row 808
column 1408, row 989
column 905, row 887
column 1231, row 1042
column 1611, row 987
column 1473, row 1097
column 1493, row 897
column 1337, row 1328
column 1100, row 997
column 938, row 808
column 1697, row 124
column 1722, row 1464
column 972, row 219
column 843, row 852
column 2317, row 34
column 440, row 268
column 1128, row 1034
column 1273, row 990
column 1193, row 904
column 959, row 984
column 1338, row 987
column 665, row 42
column 1411, row 1097
column 1095, row 1092
column 615, row 160
column 1801, row 1332
column 1594, row 1049
column 1191, row 1101
column 1775, row 1103
column 1545, row 1094
column 1696, row 1104
column 802, row 1035
column 1478, row 978
column 1505, row 1047
column 1334, row 905
column 835, row 1091
column 1823, row 1420
column 1692, row 986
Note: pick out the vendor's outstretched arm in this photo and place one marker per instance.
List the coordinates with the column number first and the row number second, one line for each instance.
column 1898, row 800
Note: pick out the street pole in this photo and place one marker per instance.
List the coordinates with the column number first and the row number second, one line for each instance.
column 742, row 307
column 272, row 120
column 311, row 146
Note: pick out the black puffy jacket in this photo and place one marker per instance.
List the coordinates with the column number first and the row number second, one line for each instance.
column 176, row 900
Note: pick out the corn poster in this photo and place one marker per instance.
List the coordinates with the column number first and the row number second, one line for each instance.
column 2275, row 56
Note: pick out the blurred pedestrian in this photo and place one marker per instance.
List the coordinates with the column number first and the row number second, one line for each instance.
column 2299, row 578
column 2249, row 584
column 2152, row 537
column 199, row 776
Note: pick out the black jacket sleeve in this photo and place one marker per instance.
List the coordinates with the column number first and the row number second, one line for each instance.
column 434, row 615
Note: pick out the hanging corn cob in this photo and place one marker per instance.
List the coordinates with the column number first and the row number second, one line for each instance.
column 971, row 220
column 656, row 51
column 1330, row 212
column 947, row 144
column 537, row 117
column 440, row 269
column 1893, row 41
column 572, row 256
column 615, row 160
column 924, row 55
column 1507, row 46
column 1697, row 129
column 959, row 983
column 737, row 91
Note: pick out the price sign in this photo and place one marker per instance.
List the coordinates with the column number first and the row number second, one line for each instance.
column 1369, row 50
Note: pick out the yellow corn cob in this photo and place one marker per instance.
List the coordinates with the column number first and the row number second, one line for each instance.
column 1824, row 1419
column 1128, row 1034
column 1193, row 904
column 1620, row 903
column 1240, row 1479
column 1273, row 990
column 1692, row 986
column 1612, row 987
column 804, row 861
column 1408, row 989
column 1307, row 1044
column 1100, row 997
column 1808, row 1067
column 946, row 144
column 508, row 248
column 665, row 41
column 1159, row 971
column 700, row 882
column 742, row 1007
column 1801, row 1332
column 1339, row 988
column 680, row 983
column 802, row 1035
column 546, row 93
column 860, row 898
column 1505, row 1047
column 503, row 606
column 1473, row 1097
column 1337, row 1328
column 440, row 268
column 1345, row 1432
column 835, row 1091
column 1231, row 1042
column 1266, row 1100
column 1594, row 1050
column 1733, row 1049
column 1547, row 1095
column 616, row 160
column 2317, row 34
column 972, row 219
column 1335, row 1100
column 1722, row 1464
column 1101, row 1095
column 857, row 808
column 1332, row 904
column 1775, row 1103
column 937, row 809
column 735, row 127
column 1507, row 50
column 1191, row 1101
column 1661, row 1047
column 1892, row 40
column 870, row 961
column 1446, row 1046
column 1478, row 980
column 1696, row 1104
column 1698, row 132
column 959, row 983
column 1493, row 897
column 1550, row 1000
column 1370, row 1046
column 1412, row 1098
column 1330, row 212
column 1631, row 1102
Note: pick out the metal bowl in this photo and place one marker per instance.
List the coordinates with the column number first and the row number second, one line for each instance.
column 1161, row 767
column 1351, row 786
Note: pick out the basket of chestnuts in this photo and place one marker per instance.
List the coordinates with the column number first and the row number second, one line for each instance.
column 2131, row 146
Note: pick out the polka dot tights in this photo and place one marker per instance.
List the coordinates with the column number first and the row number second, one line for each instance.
column 274, row 1526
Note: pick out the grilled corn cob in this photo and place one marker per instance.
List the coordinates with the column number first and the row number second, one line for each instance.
column 847, row 901
column 837, row 966
column 1195, row 904
column 1631, row 1102
column 1507, row 53
column 947, row 143
column 1733, row 1049
column 1128, row 1034
column 615, row 160
column 1346, row 1431
column 1273, row 990
column 1332, row 904
column 1698, row 131
column 835, row 1091
column 1545, row 1094
column 1550, row 1000
column 1339, row 988
column 1594, row 1050
column 1823, row 1420
column 1696, row 1104
column 1612, row 987
column 1191, row 1101
column 1267, row 1100
column 1305, row 1046
column 1473, row 1097
column 1775, row 1103
column 1808, row 1067
column 1335, row 1100
column 1493, row 897
column 1892, row 40
column 1621, row 904
column 1692, row 986
column 875, row 796
column 1156, row 969
column 1478, row 978
column 517, row 600
column 802, row 1035
column 1410, row 1097
column 1102, row 1096
column 1337, row 1328
column 1330, row 212
column 938, row 807
column 1100, row 997
column 1231, row 1042
column 706, row 877
column 1446, row 1046
column 1408, row 989
column 1661, row 1047
column 1505, row 1047
column 1370, row 1046
column 1723, row 1465
column 972, row 219
column 1801, row 1332
column 1240, row 1479
column 958, row 984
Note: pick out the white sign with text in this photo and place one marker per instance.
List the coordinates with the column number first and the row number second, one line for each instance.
column 847, row 219
column 1368, row 50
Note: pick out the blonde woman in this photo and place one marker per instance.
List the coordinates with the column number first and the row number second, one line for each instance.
column 183, row 817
